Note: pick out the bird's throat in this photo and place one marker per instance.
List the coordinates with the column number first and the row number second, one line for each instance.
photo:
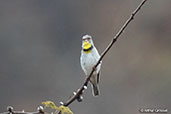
column 87, row 47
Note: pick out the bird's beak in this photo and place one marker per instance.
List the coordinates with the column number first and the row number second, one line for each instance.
column 85, row 40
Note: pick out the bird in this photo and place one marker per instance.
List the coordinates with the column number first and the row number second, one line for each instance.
column 88, row 59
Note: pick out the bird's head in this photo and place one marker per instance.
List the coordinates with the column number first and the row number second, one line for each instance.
column 87, row 43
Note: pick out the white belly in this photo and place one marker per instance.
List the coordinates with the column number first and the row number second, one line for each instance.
column 88, row 61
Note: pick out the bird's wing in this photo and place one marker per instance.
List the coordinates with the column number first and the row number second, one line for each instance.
column 98, row 77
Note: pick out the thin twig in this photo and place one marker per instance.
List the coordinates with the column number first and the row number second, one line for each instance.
column 21, row 112
column 10, row 110
column 80, row 91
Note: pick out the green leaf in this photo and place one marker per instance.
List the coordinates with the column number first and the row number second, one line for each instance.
column 63, row 109
column 50, row 104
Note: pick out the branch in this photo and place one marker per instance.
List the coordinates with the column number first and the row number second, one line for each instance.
column 79, row 93
column 10, row 110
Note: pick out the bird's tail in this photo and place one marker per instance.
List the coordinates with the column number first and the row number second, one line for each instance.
column 95, row 89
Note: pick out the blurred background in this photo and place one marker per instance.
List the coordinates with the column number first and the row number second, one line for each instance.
column 40, row 43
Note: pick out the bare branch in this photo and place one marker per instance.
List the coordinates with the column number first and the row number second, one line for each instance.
column 80, row 91
column 10, row 110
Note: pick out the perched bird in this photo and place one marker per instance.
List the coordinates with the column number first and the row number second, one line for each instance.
column 89, row 57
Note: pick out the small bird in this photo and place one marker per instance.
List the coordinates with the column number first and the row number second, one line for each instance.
column 89, row 57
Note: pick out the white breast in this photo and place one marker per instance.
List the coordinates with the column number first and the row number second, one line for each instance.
column 88, row 60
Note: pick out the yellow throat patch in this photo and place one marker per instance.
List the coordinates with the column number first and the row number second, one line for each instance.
column 87, row 47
